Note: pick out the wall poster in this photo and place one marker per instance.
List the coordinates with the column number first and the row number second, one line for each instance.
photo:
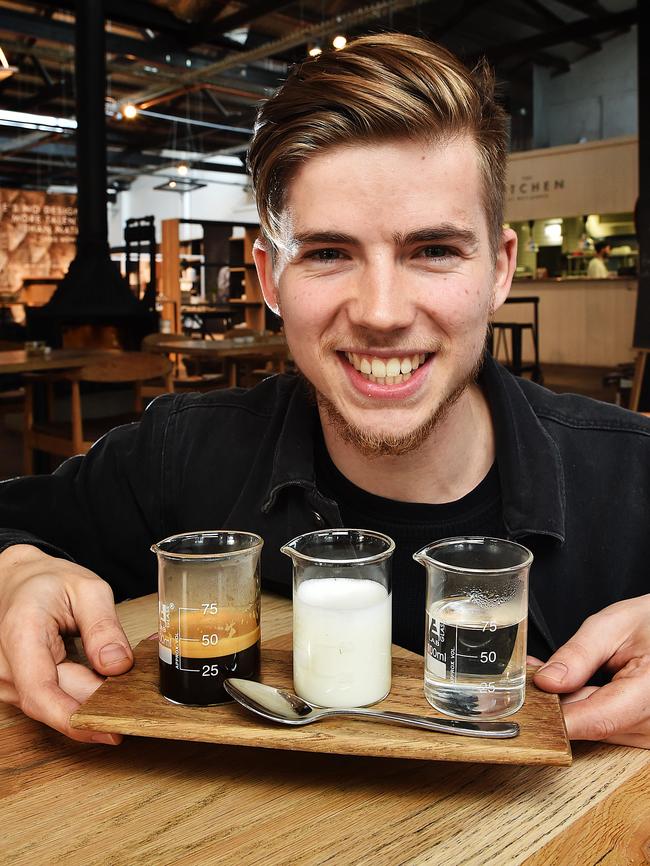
column 37, row 236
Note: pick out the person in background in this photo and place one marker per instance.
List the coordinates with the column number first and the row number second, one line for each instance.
column 598, row 269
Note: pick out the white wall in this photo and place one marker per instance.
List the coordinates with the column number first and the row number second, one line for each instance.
column 229, row 199
column 597, row 99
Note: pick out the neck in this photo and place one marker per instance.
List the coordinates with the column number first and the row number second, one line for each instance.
column 447, row 466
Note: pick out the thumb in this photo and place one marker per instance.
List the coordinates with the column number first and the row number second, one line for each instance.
column 574, row 664
column 106, row 646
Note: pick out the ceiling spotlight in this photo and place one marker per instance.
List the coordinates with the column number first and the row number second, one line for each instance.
column 339, row 42
column 182, row 168
column 172, row 184
column 315, row 51
column 130, row 111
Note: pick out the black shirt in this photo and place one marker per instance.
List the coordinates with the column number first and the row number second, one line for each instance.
column 411, row 525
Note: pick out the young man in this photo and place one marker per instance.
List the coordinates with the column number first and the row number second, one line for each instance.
column 379, row 173
column 598, row 269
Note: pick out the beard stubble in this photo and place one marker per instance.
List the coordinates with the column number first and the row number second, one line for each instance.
column 391, row 444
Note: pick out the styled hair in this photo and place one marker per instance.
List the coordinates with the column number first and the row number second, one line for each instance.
column 385, row 87
column 599, row 246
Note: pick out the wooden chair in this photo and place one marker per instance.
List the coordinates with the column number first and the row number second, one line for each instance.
column 189, row 374
column 76, row 435
column 249, row 371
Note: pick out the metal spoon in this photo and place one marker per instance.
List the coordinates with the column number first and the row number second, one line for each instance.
column 280, row 705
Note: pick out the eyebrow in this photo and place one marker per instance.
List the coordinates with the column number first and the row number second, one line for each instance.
column 446, row 232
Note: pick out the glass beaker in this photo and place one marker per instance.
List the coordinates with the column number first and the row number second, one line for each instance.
column 341, row 616
column 209, row 609
column 476, row 620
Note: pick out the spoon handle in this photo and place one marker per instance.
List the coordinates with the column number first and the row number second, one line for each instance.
column 464, row 727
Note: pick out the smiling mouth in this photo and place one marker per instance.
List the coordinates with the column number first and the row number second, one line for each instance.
column 386, row 371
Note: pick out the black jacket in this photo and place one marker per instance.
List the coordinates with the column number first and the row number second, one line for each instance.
column 574, row 473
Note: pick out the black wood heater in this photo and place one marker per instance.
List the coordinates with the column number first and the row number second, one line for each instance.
column 93, row 304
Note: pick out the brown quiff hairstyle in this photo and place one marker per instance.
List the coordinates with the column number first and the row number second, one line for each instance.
column 385, row 87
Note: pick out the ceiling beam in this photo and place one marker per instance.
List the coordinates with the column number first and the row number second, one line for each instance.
column 561, row 35
column 63, row 32
column 301, row 36
column 247, row 14
column 553, row 19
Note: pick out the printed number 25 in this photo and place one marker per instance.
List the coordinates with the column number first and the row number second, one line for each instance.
column 210, row 670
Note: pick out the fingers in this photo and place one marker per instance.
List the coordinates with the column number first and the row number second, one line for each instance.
column 595, row 642
column 616, row 712
column 107, row 647
column 40, row 695
column 580, row 695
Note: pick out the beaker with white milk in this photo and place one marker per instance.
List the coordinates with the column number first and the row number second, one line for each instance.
column 341, row 616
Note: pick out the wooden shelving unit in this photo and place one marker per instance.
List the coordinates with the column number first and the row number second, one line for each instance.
column 245, row 287
column 245, row 290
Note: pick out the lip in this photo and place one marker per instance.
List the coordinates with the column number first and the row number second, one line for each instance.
column 386, row 392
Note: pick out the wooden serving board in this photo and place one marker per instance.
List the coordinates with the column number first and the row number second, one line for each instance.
column 132, row 704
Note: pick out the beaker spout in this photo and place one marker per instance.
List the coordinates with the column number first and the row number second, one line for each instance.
column 422, row 556
column 287, row 550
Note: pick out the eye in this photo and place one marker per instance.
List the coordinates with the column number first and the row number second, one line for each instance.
column 437, row 252
column 327, row 254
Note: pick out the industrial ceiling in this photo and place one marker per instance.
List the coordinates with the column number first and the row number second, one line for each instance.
column 196, row 70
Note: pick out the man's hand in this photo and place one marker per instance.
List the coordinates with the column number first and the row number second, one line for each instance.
column 617, row 639
column 43, row 598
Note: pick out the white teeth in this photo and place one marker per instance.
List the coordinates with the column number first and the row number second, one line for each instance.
column 394, row 371
column 393, row 367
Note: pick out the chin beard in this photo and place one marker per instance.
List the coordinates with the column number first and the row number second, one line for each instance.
column 392, row 444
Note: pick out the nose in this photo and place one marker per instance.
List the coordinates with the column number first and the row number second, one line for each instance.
column 379, row 300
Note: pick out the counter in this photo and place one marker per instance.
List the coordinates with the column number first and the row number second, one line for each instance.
column 581, row 321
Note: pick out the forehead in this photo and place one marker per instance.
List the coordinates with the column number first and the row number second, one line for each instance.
column 392, row 185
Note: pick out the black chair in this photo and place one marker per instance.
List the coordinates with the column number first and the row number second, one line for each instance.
column 509, row 337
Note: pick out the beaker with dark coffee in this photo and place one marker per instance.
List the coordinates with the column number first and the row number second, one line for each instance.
column 209, row 613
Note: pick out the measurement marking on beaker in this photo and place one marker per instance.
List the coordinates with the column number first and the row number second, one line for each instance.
column 464, row 655
column 179, row 639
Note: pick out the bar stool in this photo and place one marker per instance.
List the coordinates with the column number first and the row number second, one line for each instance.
column 513, row 347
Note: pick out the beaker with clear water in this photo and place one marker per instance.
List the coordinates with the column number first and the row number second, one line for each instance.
column 476, row 624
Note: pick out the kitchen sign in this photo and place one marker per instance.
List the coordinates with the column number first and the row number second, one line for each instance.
column 595, row 177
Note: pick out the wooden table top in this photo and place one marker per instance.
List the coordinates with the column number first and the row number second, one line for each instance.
column 219, row 348
column 19, row 361
column 160, row 801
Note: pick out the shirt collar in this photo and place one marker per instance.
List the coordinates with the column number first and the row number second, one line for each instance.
column 293, row 458
column 530, row 466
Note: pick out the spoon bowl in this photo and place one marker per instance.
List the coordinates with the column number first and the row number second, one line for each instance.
column 282, row 706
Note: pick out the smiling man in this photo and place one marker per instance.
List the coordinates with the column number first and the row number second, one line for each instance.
column 386, row 295
column 379, row 174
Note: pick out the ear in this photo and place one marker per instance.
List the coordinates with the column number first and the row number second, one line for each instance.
column 504, row 267
column 264, row 265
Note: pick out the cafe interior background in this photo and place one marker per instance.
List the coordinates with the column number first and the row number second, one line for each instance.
column 167, row 123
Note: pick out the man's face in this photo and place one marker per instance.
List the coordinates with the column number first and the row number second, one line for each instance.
column 385, row 282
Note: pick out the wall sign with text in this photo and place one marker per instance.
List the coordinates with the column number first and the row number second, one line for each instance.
column 37, row 235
